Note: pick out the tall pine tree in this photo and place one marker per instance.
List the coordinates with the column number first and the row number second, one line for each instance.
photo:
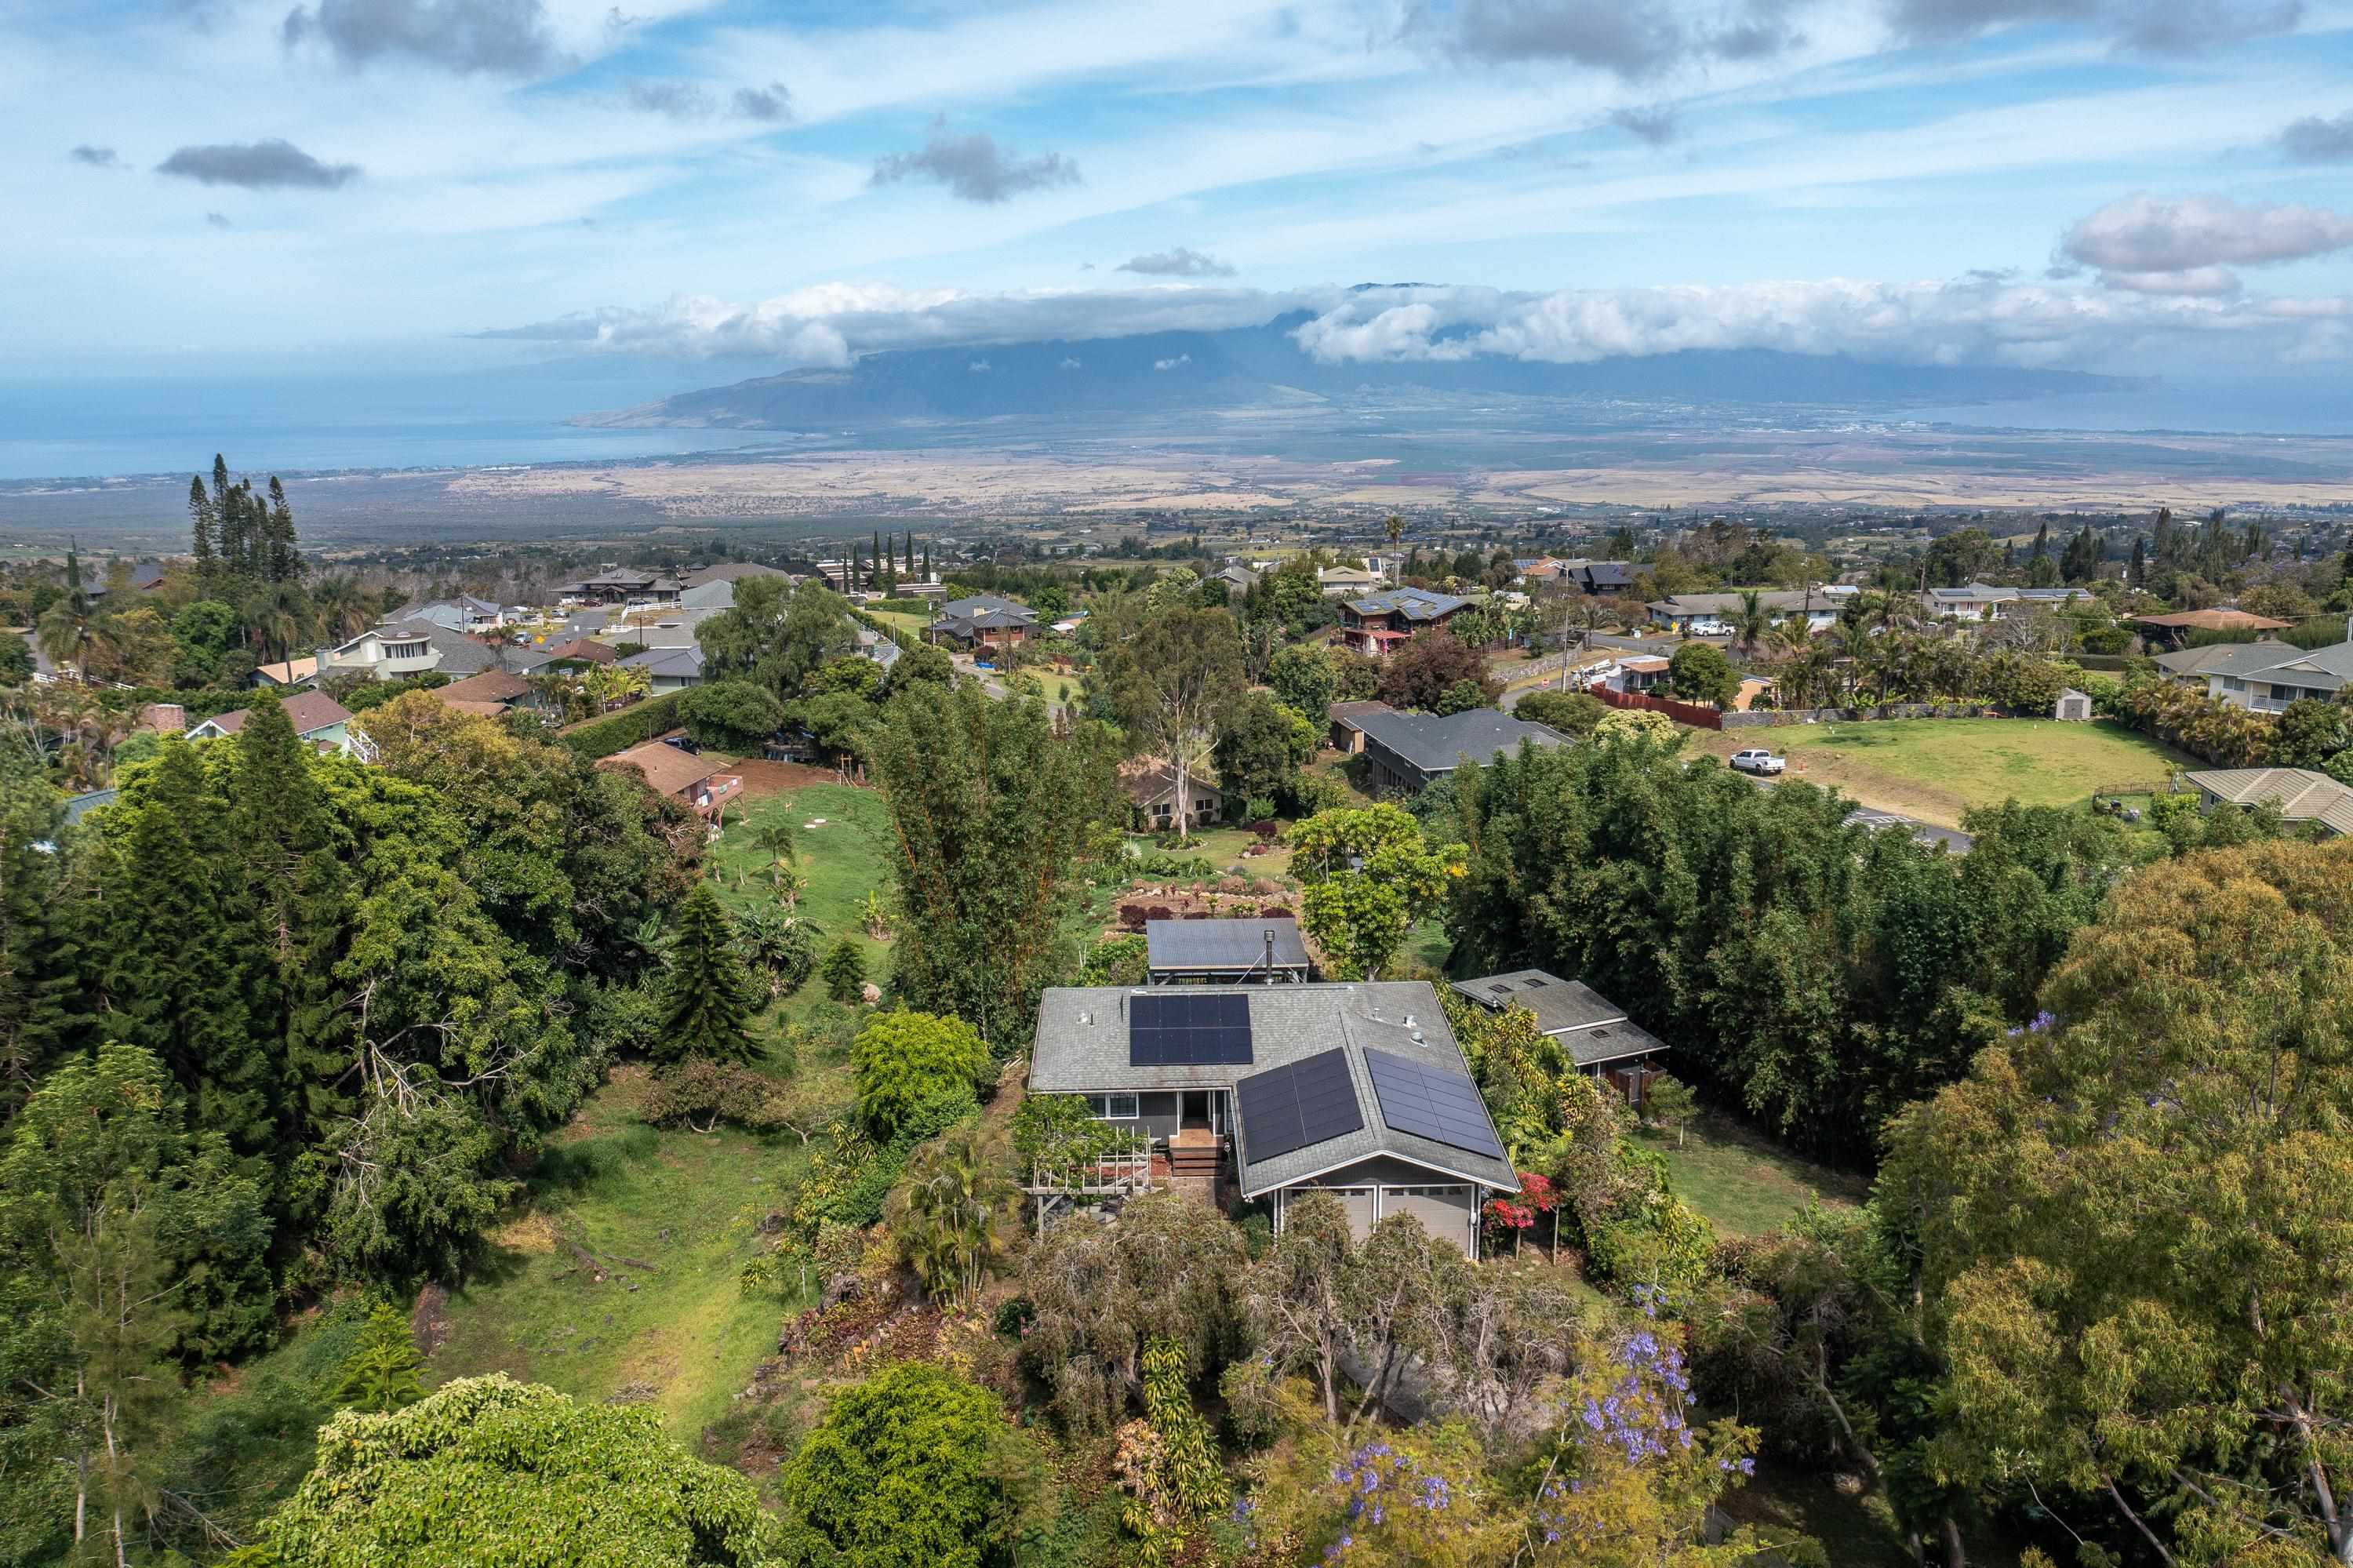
column 290, row 911
column 176, row 985
column 708, row 996
column 201, row 528
column 46, row 994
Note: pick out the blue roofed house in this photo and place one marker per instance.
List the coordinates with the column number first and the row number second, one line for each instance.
column 1278, row 1091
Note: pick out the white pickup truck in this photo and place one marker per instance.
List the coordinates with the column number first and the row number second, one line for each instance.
column 1756, row 759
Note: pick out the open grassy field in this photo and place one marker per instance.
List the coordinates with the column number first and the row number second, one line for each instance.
column 842, row 859
column 1937, row 768
column 679, row 1336
column 906, row 625
column 1743, row 1184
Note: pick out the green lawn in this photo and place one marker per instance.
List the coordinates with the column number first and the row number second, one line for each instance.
column 1743, row 1184
column 1937, row 768
column 842, row 859
column 680, row 1336
column 906, row 625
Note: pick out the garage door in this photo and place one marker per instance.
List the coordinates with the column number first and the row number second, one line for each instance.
column 1356, row 1201
column 1444, row 1211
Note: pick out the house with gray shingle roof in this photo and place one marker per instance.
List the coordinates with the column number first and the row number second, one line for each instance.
column 2262, row 677
column 1408, row 752
column 1358, row 1090
column 1594, row 1030
column 2301, row 794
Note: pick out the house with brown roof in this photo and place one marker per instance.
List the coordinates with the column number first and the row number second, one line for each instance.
column 1347, row 724
column 679, row 773
column 287, row 673
column 492, row 692
column 582, row 649
column 2173, row 631
column 1150, row 785
column 317, row 719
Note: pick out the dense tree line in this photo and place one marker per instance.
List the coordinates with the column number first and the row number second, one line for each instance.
column 1816, row 974
column 273, row 1022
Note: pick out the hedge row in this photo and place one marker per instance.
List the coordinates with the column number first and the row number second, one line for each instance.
column 640, row 722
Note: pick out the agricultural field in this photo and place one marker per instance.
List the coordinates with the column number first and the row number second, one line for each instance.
column 1937, row 768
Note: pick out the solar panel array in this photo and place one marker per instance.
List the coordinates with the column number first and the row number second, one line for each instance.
column 1187, row 1028
column 1433, row 1103
column 1300, row 1103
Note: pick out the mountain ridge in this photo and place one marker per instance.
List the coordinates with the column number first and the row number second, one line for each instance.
column 1169, row 371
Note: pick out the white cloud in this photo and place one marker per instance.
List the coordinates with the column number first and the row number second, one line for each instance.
column 1979, row 320
column 1982, row 319
column 2142, row 233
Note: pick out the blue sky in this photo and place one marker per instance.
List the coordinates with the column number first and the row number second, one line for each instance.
column 2093, row 184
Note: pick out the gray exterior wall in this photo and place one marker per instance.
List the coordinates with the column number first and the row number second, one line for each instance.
column 1447, row 1218
column 1392, row 774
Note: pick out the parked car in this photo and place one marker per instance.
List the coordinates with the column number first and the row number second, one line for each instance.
column 1756, row 759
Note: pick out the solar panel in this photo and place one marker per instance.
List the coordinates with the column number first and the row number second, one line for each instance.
column 1188, row 1028
column 1301, row 1103
column 1431, row 1103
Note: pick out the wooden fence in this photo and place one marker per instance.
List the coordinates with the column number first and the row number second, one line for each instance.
column 1693, row 714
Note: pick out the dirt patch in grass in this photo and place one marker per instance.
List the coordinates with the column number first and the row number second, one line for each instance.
column 529, row 1234
column 763, row 777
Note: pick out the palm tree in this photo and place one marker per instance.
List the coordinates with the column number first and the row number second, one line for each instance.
column 1751, row 623
column 952, row 1211
column 64, row 632
column 875, row 917
column 341, row 608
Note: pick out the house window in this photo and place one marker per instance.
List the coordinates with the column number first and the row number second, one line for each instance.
column 1113, row 1107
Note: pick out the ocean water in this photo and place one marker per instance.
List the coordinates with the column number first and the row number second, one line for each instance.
column 52, row 429
column 2303, row 407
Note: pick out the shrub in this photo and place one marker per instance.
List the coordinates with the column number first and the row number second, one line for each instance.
column 914, row 1467
column 1133, row 915
column 1266, row 831
column 1115, row 960
column 633, row 724
column 904, row 1059
column 844, row 971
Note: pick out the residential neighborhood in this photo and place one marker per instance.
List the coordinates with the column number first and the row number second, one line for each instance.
column 925, row 949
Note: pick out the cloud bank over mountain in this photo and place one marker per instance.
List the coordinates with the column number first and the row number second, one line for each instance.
column 1982, row 320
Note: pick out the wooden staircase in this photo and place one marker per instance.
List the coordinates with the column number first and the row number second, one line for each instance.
column 1196, row 1151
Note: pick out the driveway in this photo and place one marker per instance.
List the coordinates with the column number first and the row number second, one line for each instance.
column 1870, row 817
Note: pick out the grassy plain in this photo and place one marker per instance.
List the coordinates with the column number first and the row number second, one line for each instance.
column 679, row 1336
column 1937, row 768
column 843, row 861
column 1743, row 1182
